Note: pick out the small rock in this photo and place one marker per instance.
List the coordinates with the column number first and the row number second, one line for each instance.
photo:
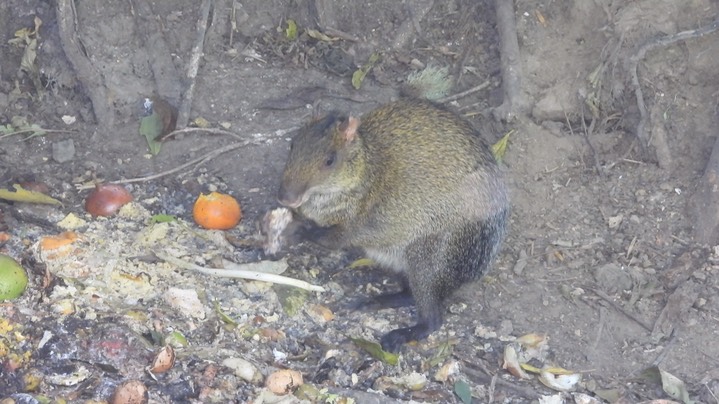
column 665, row 186
column 186, row 302
column 701, row 302
column 520, row 264
column 484, row 332
column 71, row 222
column 457, row 308
column 447, row 370
column 505, row 328
column 553, row 127
column 244, row 370
column 63, row 150
column 552, row 105
column 612, row 278
column 614, row 221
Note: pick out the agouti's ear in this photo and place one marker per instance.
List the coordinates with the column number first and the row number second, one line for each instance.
column 348, row 129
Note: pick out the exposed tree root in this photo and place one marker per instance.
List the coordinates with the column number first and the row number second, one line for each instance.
column 513, row 103
column 183, row 116
column 658, row 138
column 91, row 79
column 705, row 202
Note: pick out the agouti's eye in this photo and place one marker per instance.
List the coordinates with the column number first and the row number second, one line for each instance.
column 330, row 159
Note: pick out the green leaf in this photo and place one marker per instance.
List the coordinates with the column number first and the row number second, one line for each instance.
column 362, row 262
column 22, row 195
column 36, row 130
column 291, row 31
column 463, row 391
column 359, row 75
column 19, row 122
column 151, row 128
column 176, row 340
column 499, row 149
column 292, row 299
column 163, row 218
column 675, row 387
column 376, row 351
column 357, row 78
column 224, row 317
column 7, row 128
column 314, row 34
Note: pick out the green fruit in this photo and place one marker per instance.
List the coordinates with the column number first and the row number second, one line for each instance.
column 13, row 279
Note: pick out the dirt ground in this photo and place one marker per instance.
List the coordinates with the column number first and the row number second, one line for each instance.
column 601, row 256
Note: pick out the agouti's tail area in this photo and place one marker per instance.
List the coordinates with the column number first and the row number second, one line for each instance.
column 441, row 264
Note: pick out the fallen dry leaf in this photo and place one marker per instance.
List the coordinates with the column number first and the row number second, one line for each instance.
column 164, row 360
column 23, row 195
column 49, row 243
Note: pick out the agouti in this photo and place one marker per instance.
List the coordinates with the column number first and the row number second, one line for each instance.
column 412, row 184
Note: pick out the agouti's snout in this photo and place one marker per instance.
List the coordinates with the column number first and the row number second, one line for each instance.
column 289, row 198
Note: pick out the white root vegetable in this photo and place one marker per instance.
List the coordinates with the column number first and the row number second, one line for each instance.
column 241, row 273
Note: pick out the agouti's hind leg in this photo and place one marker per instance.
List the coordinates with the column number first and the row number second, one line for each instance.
column 429, row 288
column 430, row 320
column 393, row 300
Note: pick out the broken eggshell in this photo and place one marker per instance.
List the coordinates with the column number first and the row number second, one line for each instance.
column 164, row 360
column 560, row 382
column 130, row 392
column 284, row 381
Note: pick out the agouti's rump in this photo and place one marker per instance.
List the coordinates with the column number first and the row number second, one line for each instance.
column 414, row 186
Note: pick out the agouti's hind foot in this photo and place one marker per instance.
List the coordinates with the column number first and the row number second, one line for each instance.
column 393, row 340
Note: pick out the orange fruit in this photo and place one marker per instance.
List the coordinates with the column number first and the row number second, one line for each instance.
column 216, row 211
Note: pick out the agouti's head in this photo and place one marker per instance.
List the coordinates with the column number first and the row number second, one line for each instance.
column 320, row 160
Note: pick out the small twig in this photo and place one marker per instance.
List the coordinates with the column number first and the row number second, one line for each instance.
column 198, row 161
column 241, row 274
column 712, row 393
column 474, row 368
column 341, row 34
column 233, row 23
column 620, row 309
column 587, row 133
column 600, row 328
column 35, row 130
column 667, row 348
column 211, row 131
column 492, row 386
column 634, row 63
column 183, row 116
column 465, row 93
column 404, row 33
